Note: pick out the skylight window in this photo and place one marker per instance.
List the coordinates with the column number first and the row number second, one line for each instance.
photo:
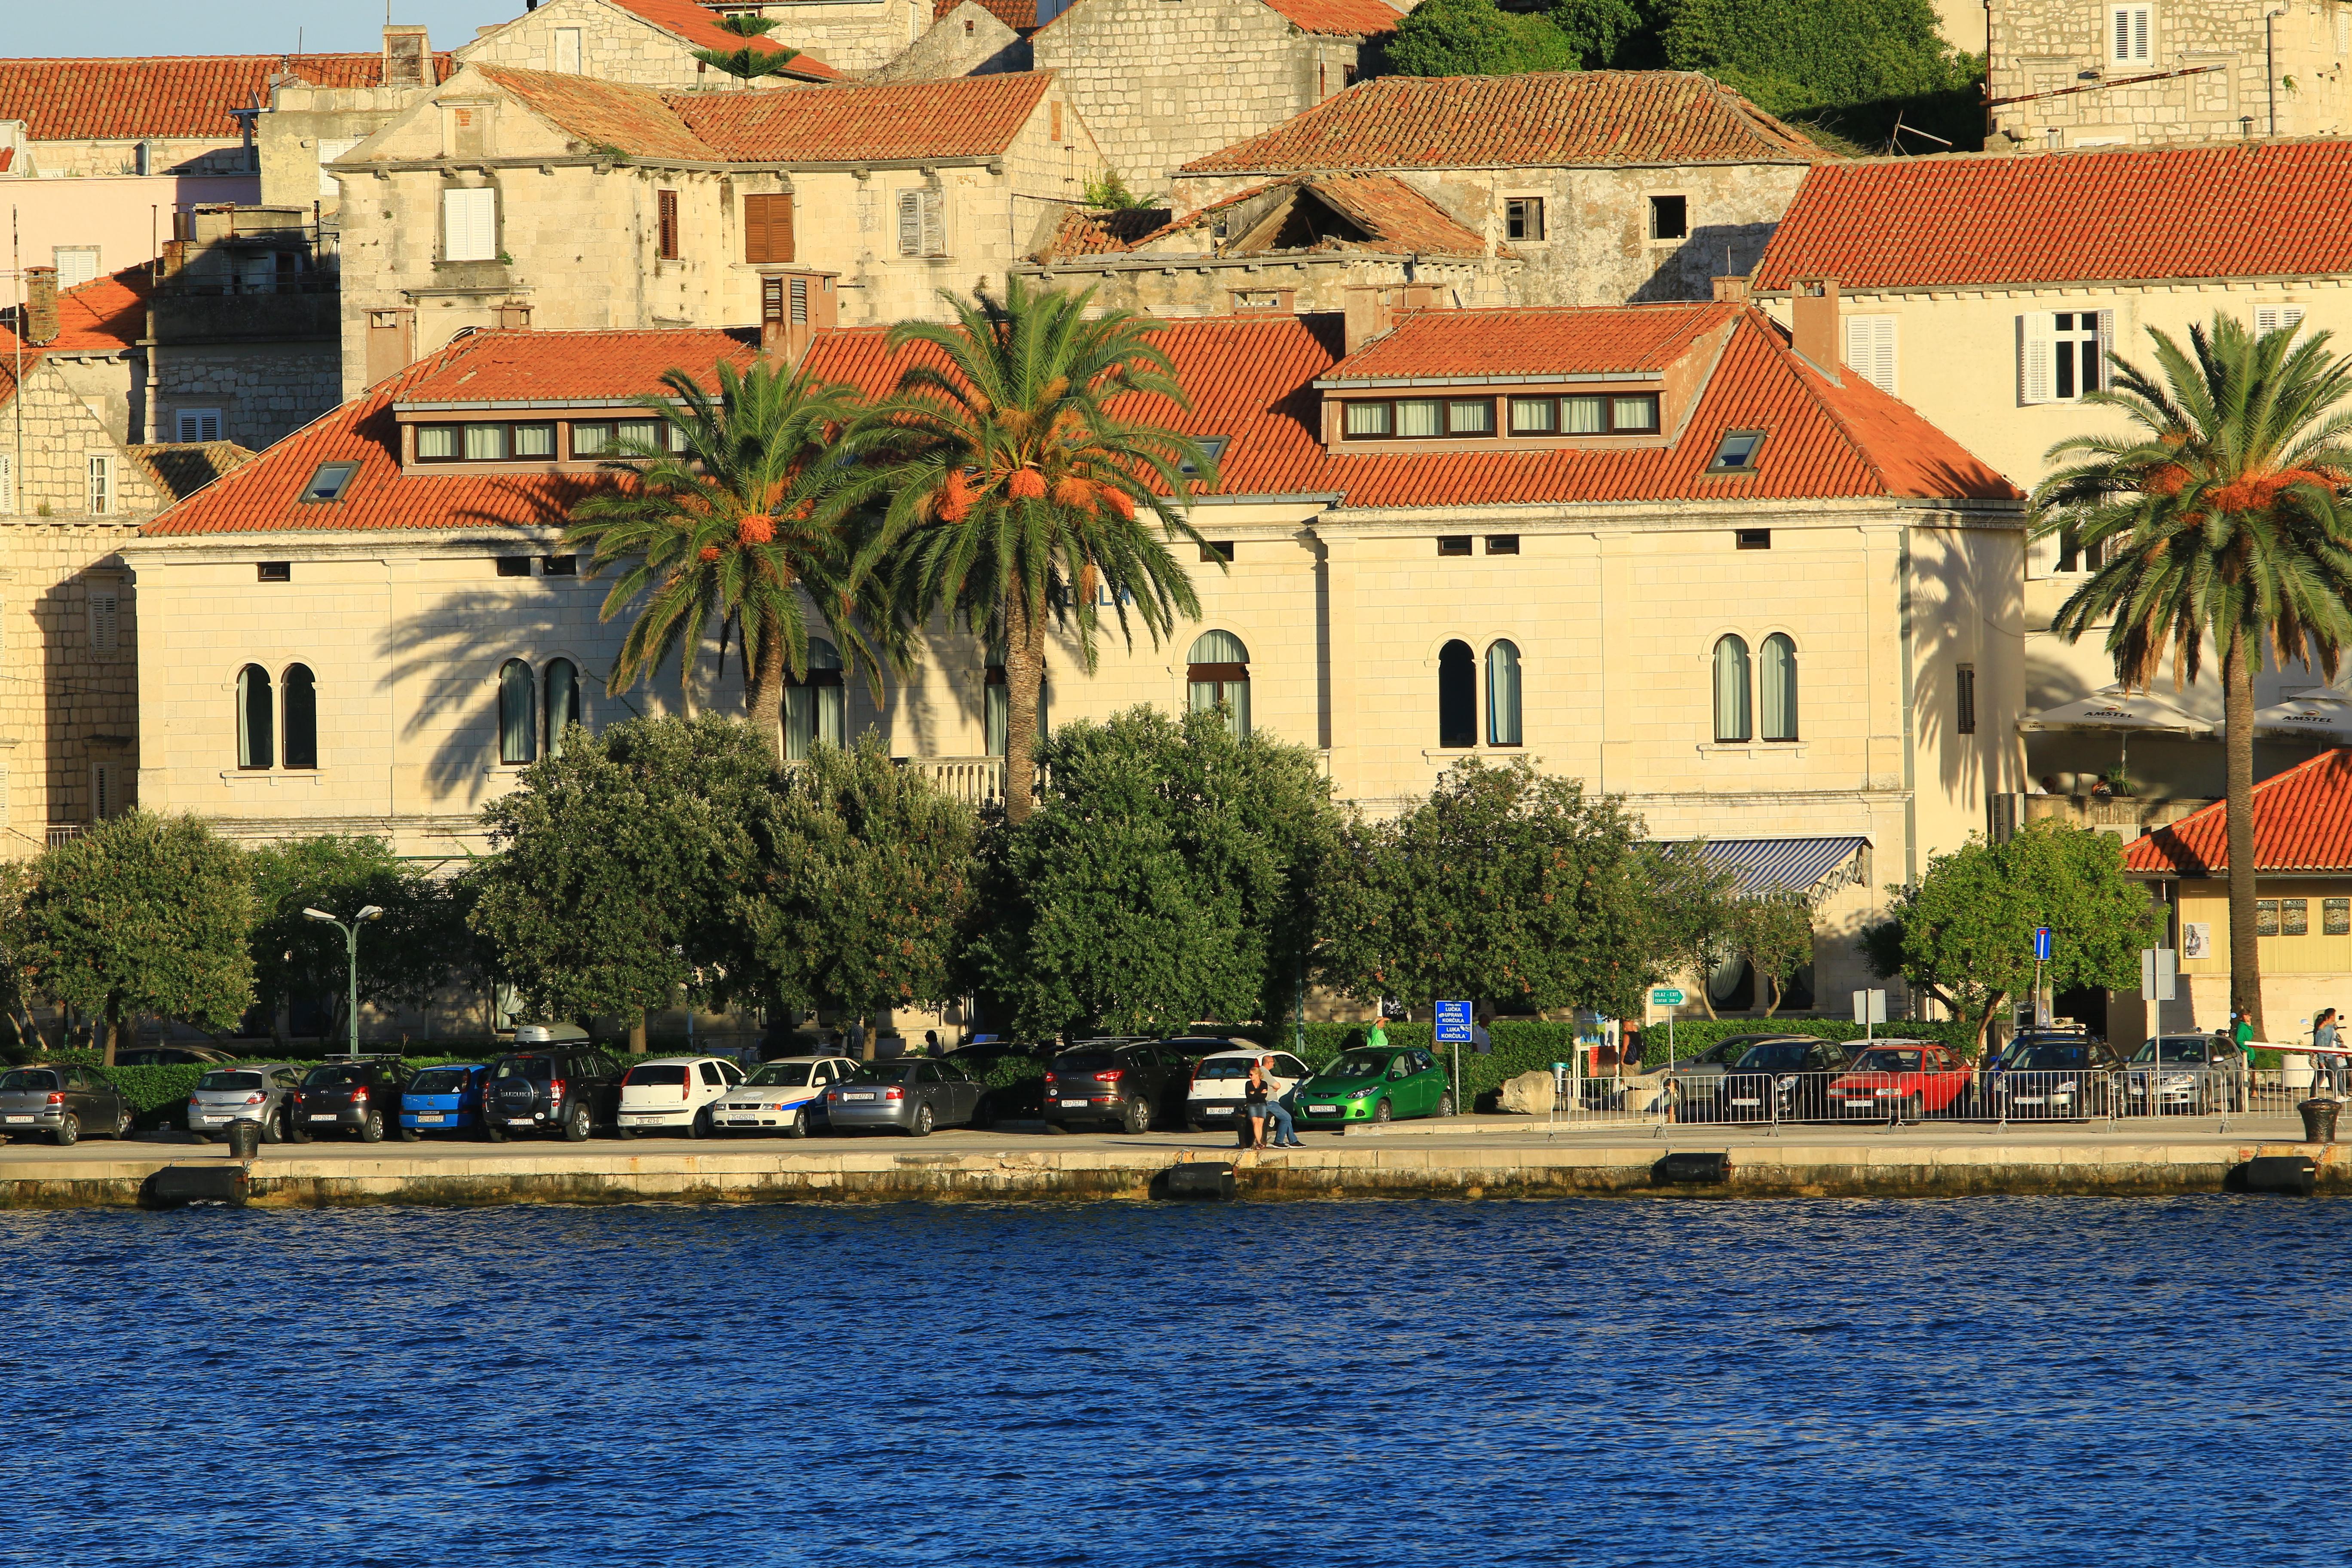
column 329, row 483
column 1736, row 454
column 1213, row 445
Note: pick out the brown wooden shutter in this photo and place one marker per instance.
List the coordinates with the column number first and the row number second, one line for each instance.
column 665, row 211
column 768, row 228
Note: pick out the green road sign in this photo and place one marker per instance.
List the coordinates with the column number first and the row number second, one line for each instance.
column 1665, row 997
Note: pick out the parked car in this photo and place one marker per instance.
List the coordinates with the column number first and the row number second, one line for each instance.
column 2197, row 1075
column 63, row 1101
column 1215, row 1099
column 1131, row 1084
column 361, row 1094
column 1694, row 1082
column 446, row 1099
column 906, row 1094
column 1368, row 1085
column 674, row 1094
column 1783, row 1080
column 1022, row 1100
column 2052, row 1077
column 786, row 1095
column 570, row 1087
column 171, row 1055
column 1900, row 1081
column 256, row 1091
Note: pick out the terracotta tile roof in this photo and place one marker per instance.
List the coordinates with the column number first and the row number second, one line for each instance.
column 1533, row 342
column 966, row 117
column 2224, row 210
column 105, row 315
column 180, row 469
column 1021, row 16
column 1339, row 18
column 1251, row 379
column 185, row 96
column 698, row 27
column 263, row 496
column 523, row 367
column 963, row 116
column 1541, row 120
column 1394, row 216
column 1082, row 233
column 2303, row 822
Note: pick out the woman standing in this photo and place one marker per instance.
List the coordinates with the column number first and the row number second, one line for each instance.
column 1255, row 1096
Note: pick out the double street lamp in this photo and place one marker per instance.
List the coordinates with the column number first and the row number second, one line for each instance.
column 352, row 947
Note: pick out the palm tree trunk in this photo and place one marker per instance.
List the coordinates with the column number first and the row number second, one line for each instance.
column 2238, row 741
column 764, row 698
column 1025, row 668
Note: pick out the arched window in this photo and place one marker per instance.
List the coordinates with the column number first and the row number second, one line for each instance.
column 1217, row 677
column 1502, row 694
column 301, row 731
column 256, row 734
column 1457, row 695
column 517, row 711
column 816, row 709
column 1775, row 687
column 998, row 718
column 563, row 703
column 1732, row 722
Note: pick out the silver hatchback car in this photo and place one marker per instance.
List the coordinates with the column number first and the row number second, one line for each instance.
column 252, row 1092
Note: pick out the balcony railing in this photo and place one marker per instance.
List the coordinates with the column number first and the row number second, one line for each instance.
column 67, row 832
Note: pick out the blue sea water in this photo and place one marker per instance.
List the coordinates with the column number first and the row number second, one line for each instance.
column 2029, row 1381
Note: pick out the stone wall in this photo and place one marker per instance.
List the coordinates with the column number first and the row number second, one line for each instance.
column 852, row 36
column 2056, row 56
column 287, row 138
column 967, row 41
column 1178, row 286
column 1161, row 84
column 616, row 45
column 173, row 155
column 264, row 391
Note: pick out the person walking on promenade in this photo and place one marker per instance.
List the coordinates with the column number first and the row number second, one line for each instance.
column 1277, row 1115
column 1255, row 1094
column 931, row 1043
column 2326, row 1061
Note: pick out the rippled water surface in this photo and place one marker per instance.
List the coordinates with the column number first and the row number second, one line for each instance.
column 2042, row 1382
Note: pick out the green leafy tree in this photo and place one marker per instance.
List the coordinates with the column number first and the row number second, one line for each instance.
column 1605, row 32
column 2219, row 515
column 617, row 865
column 1476, row 38
column 1169, row 876
column 865, row 879
column 145, row 914
column 406, row 956
column 737, row 526
column 1965, row 934
column 1774, row 932
column 1029, row 470
column 1506, row 885
column 748, row 60
column 1688, row 902
column 1796, row 56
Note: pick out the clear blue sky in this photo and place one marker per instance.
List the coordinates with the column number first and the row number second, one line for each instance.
column 237, row 27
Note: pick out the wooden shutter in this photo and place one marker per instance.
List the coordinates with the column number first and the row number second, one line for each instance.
column 910, row 223
column 772, row 298
column 469, row 222
column 2106, row 346
column 768, row 228
column 1870, row 350
column 105, row 619
column 2271, row 318
column 934, row 228
column 665, row 222
column 2036, row 333
column 800, row 301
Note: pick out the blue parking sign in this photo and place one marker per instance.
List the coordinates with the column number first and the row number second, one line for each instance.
column 1453, row 1022
column 2041, row 944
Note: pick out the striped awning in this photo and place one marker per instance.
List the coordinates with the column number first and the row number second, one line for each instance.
column 1792, row 865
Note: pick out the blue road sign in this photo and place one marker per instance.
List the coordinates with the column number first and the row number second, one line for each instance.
column 2041, row 944
column 1453, row 1022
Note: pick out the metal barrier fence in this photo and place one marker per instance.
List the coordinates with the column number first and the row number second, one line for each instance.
column 1890, row 1100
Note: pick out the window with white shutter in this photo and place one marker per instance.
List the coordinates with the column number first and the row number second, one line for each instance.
column 105, row 619
column 329, row 149
column 2061, row 354
column 2127, row 34
column 7, row 485
column 1870, row 350
column 198, row 424
column 77, row 265
column 469, row 225
column 921, row 230
column 567, row 51
column 2274, row 318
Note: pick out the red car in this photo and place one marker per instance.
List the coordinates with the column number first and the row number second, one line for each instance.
column 1899, row 1078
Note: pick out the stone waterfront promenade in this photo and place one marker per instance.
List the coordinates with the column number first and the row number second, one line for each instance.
column 1466, row 1157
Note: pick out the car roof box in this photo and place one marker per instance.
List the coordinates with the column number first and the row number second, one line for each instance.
column 550, row 1035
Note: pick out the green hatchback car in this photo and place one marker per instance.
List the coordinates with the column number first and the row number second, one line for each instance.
column 1373, row 1086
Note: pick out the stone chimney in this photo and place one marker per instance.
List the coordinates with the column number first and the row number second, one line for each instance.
column 40, row 304
column 793, row 308
column 1814, row 323
column 1371, row 311
column 1731, row 290
column 514, row 316
column 407, row 57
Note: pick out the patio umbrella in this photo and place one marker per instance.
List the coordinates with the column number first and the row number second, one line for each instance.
column 2319, row 715
column 2114, row 711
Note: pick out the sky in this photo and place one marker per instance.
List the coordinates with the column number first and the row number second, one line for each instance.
column 38, row 28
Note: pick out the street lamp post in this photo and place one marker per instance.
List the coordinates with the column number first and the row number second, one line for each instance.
column 351, row 950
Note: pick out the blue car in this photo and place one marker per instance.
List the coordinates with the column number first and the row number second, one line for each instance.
column 444, row 1099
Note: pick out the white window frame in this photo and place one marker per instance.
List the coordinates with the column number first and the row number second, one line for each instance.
column 568, row 50
column 2131, row 35
column 82, row 269
column 2037, row 352
column 1870, row 350
column 184, row 419
column 8, row 484
column 2271, row 318
column 101, row 484
column 329, row 149
column 469, row 223
column 922, row 227
column 105, row 618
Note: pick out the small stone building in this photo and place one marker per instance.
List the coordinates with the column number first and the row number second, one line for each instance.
column 1160, row 84
column 652, row 43
column 1606, row 187
column 969, row 39
column 311, row 123
column 512, row 197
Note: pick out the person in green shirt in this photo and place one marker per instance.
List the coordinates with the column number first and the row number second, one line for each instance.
column 1376, row 1038
column 2241, row 1034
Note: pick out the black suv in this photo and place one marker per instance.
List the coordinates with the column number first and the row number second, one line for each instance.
column 358, row 1093
column 1128, row 1084
column 572, row 1088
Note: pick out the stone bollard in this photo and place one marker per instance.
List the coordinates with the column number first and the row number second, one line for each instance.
column 243, row 1139
column 2318, row 1120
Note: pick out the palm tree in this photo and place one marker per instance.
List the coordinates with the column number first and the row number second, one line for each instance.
column 746, row 61
column 2219, row 515
column 732, row 518
column 1021, row 475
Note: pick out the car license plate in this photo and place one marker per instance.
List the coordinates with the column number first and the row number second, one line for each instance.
column 1737, row 1100
column 1323, row 1111
column 322, row 1116
column 20, row 1119
column 2029, row 1100
column 1070, row 1104
column 430, row 1116
column 870, row 1097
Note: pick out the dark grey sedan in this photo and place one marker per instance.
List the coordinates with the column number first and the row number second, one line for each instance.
column 906, row 1094
column 1696, row 1082
column 63, row 1102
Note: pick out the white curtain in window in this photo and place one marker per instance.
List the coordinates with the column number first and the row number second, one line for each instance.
column 1776, row 687
column 1731, row 719
column 1579, row 416
column 563, row 703
column 1419, row 416
column 518, row 714
column 1502, row 695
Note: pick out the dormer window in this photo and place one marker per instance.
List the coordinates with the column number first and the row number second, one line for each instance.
column 1420, row 419
column 1621, row 414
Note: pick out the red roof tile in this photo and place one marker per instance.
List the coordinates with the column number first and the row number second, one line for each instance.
column 636, row 119
column 1339, row 18
column 696, row 24
column 524, row 367
column 105, row 314
column 1021, row 16
column 2303, row 822
column 1392, row 215
column 1539, row 120
column 185, row 96
column 963, row 116
column 1081, row 232
column 1532, row 341
column 2225, row 210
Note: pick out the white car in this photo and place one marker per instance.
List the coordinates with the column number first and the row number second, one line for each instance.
column 1215, row 1099
column 785, row 1096
column 673, row 1093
